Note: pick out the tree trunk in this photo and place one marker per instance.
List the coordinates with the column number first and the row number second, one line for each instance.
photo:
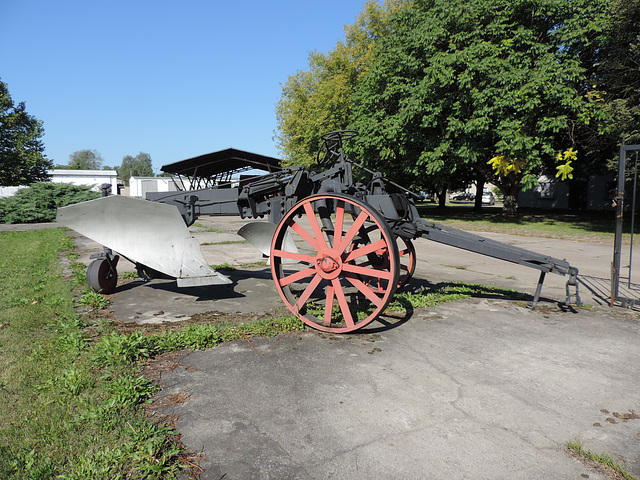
column 510, row 202
column 478, row 200
column 442, row 197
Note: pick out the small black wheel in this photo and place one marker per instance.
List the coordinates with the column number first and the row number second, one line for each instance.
column 100, row 277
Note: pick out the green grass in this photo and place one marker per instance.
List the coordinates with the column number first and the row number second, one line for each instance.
column 61, row 416
column 601, row 459
column 224, row 242
column 71, row 388
column 411, row 300
column 202, row 229
column 224, row 266
column 580, row 226
column 229, row 267
column 448, row 293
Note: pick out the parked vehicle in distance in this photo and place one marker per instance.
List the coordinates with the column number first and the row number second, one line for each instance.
column 463, row 197
column 488, row 198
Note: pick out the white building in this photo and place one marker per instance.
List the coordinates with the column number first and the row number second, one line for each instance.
column 139, row 186
column 93, row 178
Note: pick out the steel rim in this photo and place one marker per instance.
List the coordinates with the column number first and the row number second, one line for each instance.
column 407, row 257
column 339, row 241
column 407, row 254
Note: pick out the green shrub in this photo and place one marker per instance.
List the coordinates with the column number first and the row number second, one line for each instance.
column 39, row 202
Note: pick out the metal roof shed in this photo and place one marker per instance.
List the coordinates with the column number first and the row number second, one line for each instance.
column 217, row 168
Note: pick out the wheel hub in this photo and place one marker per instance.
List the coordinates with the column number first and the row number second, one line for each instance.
column 328, row 265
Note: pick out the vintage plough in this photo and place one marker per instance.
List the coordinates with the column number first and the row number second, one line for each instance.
column 338, row 249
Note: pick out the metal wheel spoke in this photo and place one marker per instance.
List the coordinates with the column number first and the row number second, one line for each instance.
column 369, row 272
column 337, row 233
column 366, row 291
column 308, row 292
column 292, row 256
column 344, row 305
column 315, row 226
column 299, row 229
column 365, row 250
column 350, row 235
column 294, row 277
column 328, row 308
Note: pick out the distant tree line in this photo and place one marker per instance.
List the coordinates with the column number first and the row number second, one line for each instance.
column 449, row 92
column 138, row 166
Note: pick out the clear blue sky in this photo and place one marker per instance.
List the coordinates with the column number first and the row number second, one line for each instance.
column 173, row 79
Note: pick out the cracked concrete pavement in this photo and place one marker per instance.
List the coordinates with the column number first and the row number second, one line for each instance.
column 479, row 389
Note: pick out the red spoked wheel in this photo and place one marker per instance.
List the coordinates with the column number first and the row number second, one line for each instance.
column 407, row 253
column 347, row 262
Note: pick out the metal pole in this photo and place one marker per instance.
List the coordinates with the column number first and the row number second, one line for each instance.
column 617, row 245
column 633, row 216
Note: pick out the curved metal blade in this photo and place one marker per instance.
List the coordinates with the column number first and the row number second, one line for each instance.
column 150, row 233
column 260, row 234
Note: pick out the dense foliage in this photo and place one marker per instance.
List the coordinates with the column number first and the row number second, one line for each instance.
column 138, row 166
column 320, row 100
column 85, row 160
column 22, row 159
column 462, row 82
column 39, row 202
column 445, row 92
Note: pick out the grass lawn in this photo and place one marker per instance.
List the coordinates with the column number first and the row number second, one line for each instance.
column 63, row 414
column 596, row 227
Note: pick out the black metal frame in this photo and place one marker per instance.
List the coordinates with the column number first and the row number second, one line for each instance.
column 617, row 243
column 274, row 194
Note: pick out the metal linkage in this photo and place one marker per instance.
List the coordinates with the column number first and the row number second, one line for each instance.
column 274, row 195
column 402, row 215
column 339, row 249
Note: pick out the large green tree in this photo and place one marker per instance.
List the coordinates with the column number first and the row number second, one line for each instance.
column 22, row 159
column 460, row 83
column 85, row 160
column 320, row 99
column 138, row 166
column 617, row 71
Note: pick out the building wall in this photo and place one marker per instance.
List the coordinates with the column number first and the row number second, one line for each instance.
column 549, row 194
column 93, row 178
column 552, row 193
column 8, row 191
column 139, row 186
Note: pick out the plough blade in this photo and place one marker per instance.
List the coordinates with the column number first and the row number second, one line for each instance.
column 260, row 234
column 149, row 233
